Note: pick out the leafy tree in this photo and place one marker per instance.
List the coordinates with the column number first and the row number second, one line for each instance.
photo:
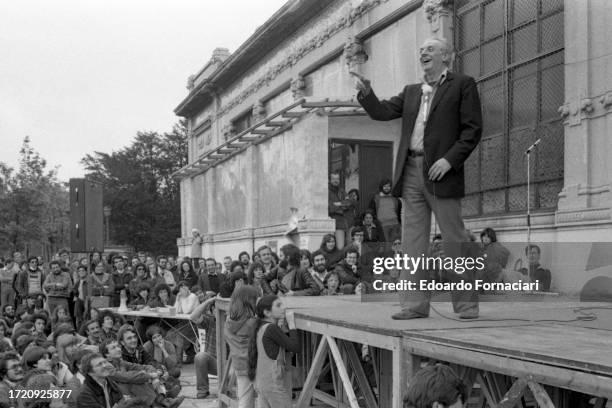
column 138, row 187
column 33, row 206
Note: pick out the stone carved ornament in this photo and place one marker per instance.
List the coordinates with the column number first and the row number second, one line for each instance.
column 434, row 7
column 292, row 58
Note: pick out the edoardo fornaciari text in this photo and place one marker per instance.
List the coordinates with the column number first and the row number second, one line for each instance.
column 432, row 285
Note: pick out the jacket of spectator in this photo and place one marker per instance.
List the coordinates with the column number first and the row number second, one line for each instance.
column 58, row 285
column 92, row 394
column 346, row 273
column 20, row 284
column 100, row 286
column 301, row 282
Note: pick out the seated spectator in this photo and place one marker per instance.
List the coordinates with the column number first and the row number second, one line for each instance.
column 357, row 237
column 535, row 271
column 11, row 374
column 40, row 325
column 372, row 229
column 142, row 276
column 495, row 256
column 109, row 324
column 349, row 271
column 4, row 331
column 205, row 360
column 387, row 209
column 332, row 284
column 186, row 301
column 162, row 350
column 297, row 280
column 267, row 260
column 92, row 395
column 26, row 327
column 60, row 312
column 136, row 379
column 91, row 330
column 143, row 298
column 319, row 270
column 209, row 279
column 331, row 251
column 435, row 386
column 8, row 314
column 163, row 296
column 187, row 274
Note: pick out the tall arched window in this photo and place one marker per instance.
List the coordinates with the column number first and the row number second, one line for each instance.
column 515, row 51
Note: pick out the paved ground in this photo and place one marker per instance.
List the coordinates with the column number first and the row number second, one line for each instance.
column 188, row 381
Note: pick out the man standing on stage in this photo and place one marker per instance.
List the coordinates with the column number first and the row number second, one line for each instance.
column 441, row 126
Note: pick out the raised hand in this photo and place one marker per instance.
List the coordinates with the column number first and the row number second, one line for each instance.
column 362, row 84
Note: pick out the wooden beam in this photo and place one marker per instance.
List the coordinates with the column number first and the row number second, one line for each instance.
column 486, row 390
column 292, row 115
column 328, row 399
column 514, row 394
column 248, row 138
column 540, row 395
column 362, row 380
column 276, row 123
column 313, row 375
column 261, row 132
column 348, row 387
column 584, row 382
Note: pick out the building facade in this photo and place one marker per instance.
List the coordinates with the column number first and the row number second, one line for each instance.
column 270, row 121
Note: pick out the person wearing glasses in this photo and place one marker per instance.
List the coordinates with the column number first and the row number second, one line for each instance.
column 11, row 375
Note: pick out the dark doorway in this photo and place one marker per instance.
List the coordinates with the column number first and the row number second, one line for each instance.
column 362, row 164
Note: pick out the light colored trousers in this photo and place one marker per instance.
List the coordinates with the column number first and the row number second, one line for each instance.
column 416, row 231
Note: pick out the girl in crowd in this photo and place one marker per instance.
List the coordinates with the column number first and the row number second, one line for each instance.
column 109, row 324
column 333, row 284
column 495, row 254
column 256, row 277
column 163, row 296
column 267, row 360
column 141, row 276
column 239, row 329
column 187, row 274
column 59, row 313
column 331, row 251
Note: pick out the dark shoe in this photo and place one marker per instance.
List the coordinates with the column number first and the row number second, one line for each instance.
column 469, row 314
column 407, row 315
column 203, row 396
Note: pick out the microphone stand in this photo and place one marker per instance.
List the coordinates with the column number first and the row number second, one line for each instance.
column 528, row 153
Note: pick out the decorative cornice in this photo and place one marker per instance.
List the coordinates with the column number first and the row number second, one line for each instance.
column 575, row 110
column 305, row 226
column 434, row 8
column 587, row 215
column 191, row 82
column 292, row 58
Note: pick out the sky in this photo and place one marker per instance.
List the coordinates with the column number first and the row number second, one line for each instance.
column 79, row 76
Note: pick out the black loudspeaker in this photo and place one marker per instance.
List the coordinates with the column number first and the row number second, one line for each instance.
column 86, row 216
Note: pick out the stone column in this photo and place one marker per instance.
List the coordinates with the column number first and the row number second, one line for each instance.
column 259, row 112
column 588, row 103
column 440, row 16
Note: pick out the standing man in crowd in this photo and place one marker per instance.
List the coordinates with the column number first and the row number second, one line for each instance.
column 30, row 281
column 441, row 126
column 121, row 278
column 337, row 206
column 58, row 286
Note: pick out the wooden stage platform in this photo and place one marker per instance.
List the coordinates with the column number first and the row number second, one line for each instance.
column 538, row 351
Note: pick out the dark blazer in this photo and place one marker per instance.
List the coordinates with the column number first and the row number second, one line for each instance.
column 453, row 129
column 92, row 395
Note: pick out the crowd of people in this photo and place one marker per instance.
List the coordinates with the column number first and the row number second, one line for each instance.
column 55, row 330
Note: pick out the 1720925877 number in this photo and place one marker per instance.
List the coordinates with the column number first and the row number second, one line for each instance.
column 46, row 394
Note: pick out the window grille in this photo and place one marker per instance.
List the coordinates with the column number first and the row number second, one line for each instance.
column 515, row 51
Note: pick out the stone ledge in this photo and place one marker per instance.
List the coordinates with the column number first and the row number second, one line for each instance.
column 582, row 216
